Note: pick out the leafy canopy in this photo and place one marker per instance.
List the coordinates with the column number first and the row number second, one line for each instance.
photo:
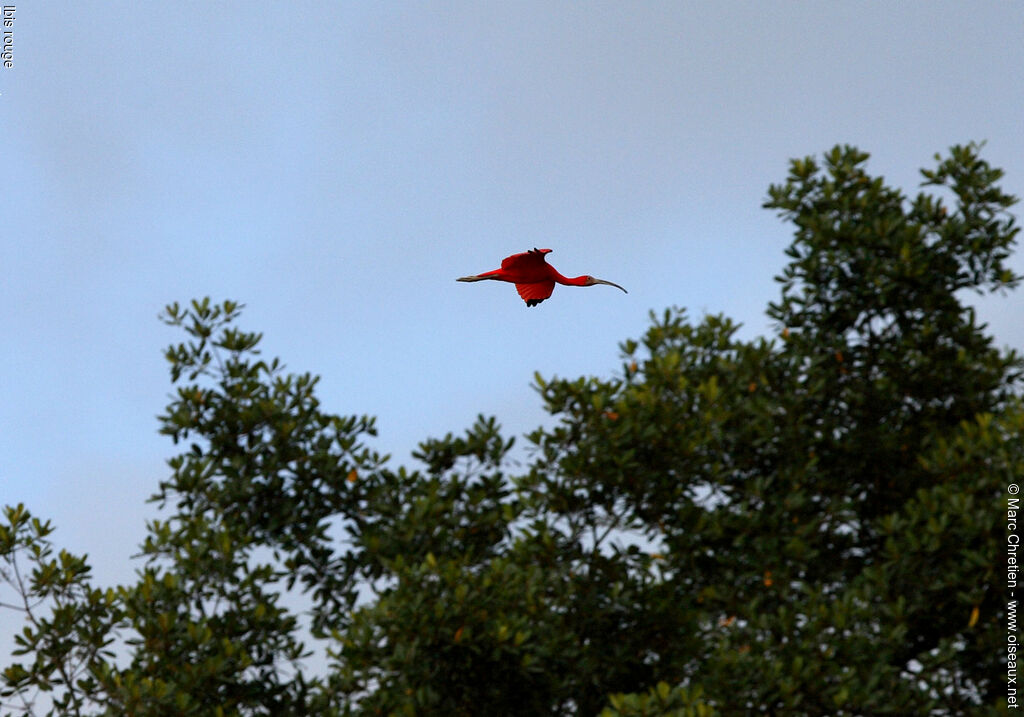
column 801, row 524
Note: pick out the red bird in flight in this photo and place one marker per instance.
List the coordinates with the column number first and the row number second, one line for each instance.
column 534, row 278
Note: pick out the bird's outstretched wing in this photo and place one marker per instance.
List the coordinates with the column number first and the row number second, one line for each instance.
column 536, row 292
column 525, row 260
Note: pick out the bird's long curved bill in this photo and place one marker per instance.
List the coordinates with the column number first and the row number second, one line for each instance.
column 609, row 283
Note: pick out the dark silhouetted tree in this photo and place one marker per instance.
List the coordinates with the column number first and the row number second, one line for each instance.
column 803, row 524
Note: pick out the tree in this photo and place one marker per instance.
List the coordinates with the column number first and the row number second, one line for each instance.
column 807, row 524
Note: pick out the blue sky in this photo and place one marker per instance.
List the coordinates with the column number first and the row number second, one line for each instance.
column 335, row 166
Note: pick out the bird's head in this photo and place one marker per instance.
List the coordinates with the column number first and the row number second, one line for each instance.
column 590, row 281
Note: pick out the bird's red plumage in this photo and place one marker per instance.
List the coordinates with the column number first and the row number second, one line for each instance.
column 526, row 262
column 536, row 292
column 534, row 278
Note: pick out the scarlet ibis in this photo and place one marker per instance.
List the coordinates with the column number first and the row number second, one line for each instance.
column 534, row 278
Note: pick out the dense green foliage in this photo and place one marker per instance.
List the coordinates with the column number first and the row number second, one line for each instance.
column 808, row 524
